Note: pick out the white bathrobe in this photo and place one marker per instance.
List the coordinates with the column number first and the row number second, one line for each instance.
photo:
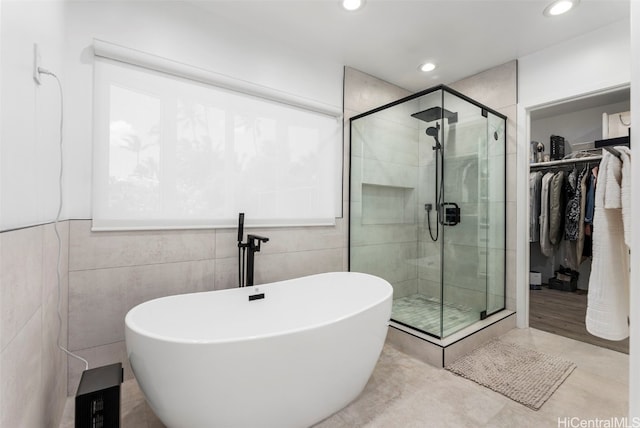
column 608, row 298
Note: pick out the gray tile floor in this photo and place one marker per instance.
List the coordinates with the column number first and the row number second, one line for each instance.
column 404, row 392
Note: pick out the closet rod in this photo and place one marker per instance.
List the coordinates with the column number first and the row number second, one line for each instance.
column 565, row 162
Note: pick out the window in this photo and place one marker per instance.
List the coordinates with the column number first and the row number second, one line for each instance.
column 170, row 152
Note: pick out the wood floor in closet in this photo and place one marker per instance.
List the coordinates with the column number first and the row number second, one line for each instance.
column 563, row 313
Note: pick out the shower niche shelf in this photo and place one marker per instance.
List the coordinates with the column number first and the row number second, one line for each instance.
column 388, row 204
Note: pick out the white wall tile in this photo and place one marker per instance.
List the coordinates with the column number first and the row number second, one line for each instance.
column 511, row 111
column 372, row 234
column 21, row 280
column 356, row 179
column 50, row 258
column 364, row 92
column 429, row 288
column 461, row 297
column 168, row 279
column 100, row 299
column 54, row 360
column 385, row 173
column 284, row 240
column 278, row 267
column 29, row 279
column 97, row 306
column 395, row 262
column 54, row 401
column 511, row 177
column 94, row 250
column 226, row 275
column 511, row 226
column 376, row 138
column 510, row 284
column 21, row 365
column 405, row 288
column 495, row 88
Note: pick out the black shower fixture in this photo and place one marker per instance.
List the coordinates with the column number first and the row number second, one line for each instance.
column 447, row 213
column 434, row 131
column 246, row 254
column 436, row 113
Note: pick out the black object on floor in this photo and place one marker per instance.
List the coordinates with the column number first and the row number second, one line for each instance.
column 98, row 397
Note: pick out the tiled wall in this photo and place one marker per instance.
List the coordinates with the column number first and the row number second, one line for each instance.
column 33, row 388
column 111, row 272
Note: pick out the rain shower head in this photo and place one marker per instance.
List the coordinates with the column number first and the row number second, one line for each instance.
column 436, row 113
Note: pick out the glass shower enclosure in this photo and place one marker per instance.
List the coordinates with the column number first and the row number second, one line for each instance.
column 427, row 207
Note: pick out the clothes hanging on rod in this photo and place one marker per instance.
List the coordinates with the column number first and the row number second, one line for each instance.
column 562, row 207
column 545, row 244
column 574, row 216
column 572, row 213
column 583, row 242
column 535, row 186
column 556, row 207
column 608, row 299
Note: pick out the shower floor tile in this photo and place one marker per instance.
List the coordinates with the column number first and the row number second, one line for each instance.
column 423, row 313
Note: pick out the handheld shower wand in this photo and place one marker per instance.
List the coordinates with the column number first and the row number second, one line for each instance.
column 242, row 248
column 434, row 131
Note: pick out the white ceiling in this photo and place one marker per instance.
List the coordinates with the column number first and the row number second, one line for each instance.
column 391, row 38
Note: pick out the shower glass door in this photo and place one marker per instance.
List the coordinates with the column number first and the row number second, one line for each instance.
column 465, row 206
column 427, row 206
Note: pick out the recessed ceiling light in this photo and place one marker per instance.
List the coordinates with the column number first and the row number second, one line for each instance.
column 352, row 4
column 427, row 66
column 559, row 7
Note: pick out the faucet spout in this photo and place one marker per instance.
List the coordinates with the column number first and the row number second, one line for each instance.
column 257, row 238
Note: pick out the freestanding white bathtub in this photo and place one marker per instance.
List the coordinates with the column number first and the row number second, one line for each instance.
column 290, row 359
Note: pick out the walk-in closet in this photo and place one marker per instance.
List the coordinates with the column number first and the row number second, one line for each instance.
column 569, row 141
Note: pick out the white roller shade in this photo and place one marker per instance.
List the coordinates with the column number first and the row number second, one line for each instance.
column 172, row 152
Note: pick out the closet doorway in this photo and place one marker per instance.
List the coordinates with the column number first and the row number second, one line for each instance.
column 560, row 261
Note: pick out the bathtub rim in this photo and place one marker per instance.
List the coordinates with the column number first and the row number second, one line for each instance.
column 135, row 329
